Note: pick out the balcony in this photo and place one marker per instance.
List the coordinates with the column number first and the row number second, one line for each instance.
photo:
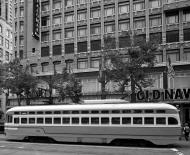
column 176, row 5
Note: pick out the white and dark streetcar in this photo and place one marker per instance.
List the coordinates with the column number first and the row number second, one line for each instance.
column 113, row 122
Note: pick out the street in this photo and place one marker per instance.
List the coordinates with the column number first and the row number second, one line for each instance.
column 25, row 148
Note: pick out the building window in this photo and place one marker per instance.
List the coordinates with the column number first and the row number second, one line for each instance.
column 69, row 33
column 172, row 18
column 186, row 34
column 1, row 52
column 123, row 25
column 1, row 40
column 123, row 8
column 69, row 48
column 45, row 67
column 45, row 36
column 21, row 41
column 57, row 66
column 154, row 3
column 45, row 51
column 56, row 20
column 138, row 24
column 138, row 6
column 109, row 27
column 1, row 28
column 7, row 43
column 173, row 55
column 21, row 12
column 124, row 41
column 21, row 54
column 172, row 36
column 186, row 16
column 45, row 21
column 81, row 16
column 187, row 54
column 57, row 50
column 57, row 35
column 82, row 31
column 56, row 4
column 69, row 3
column 155, row 21
column 33, row 68
column 82, row 46
column 69, row 18
column 45, row 6
column 95, row 13
column 159, row 58
column 95, row 29
column 157, row 37
column 21, row 26
column 81, row 1
column 95, row 62
column 95, row 45
column 82, row 64
column 109, row 11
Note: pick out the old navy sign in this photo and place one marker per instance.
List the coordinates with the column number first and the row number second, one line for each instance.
column 166, row 94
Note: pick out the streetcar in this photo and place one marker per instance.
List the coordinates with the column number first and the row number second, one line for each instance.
column 112, row 123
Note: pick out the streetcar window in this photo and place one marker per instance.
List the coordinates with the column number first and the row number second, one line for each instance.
column 137, row 111
column 57, row 112
column 23, row 120
column 9, row 119
column 85, row 120
column 126, row 120
column 16, row 120
column 31, row 112
column 161, row 120
column 31, row 120
column 75, row 112
column 23, row 113
column 115, row 120
column 40, row 120
column 48, row 120
column 66, row 120
column 16, row 113
column 85, row 112
column 66, row 112
column 75, row 120
column 95, row 112
column 137, row 120
column 126, row 111
column 94, row 120
column 105, row 120
column 172, row 121
column 160, row 111
column 105, row 112
column 57, row 120
column 149, row 111
column 48, row 112
column 39, row 112
column 115, row 111
column 148, row 120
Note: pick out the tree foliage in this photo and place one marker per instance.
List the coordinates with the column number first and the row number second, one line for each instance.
column 18, row 80
column 131, row 66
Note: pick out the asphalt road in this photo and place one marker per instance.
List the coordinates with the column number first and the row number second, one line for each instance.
column 25, row 148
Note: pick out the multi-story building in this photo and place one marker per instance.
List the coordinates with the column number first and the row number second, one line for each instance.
column 6, row 41
column 71, row 34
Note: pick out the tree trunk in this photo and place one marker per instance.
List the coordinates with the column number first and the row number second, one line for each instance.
column 133, row 94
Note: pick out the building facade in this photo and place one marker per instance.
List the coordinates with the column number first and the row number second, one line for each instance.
column 6, row 42
column 70, row 33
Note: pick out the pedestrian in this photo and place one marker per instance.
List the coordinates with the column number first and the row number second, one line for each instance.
column 186, row 131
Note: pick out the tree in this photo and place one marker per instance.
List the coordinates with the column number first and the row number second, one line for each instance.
column 19, row 81
column 68, row 85
column 132, row 67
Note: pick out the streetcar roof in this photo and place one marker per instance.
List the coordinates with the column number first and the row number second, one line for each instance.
column 93, row 107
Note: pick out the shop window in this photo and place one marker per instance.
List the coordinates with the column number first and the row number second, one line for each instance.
column 45, row 51
column 69, row 48
column 82, row 47
column 57, row 49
